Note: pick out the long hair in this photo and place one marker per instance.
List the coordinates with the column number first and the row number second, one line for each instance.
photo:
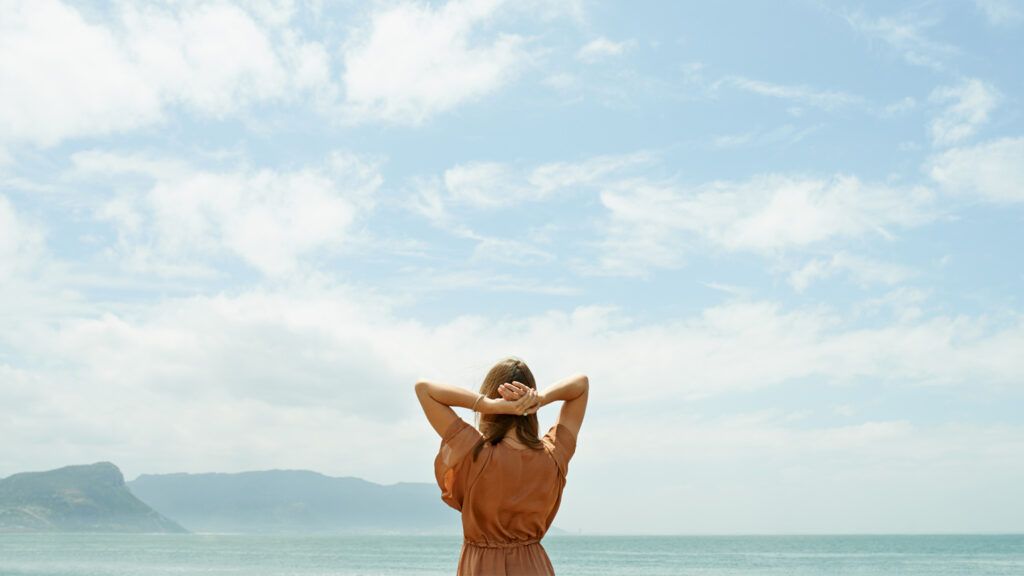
column 495, row 426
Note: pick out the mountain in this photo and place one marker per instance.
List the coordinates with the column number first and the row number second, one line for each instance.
column 90, row 498
column 295, row 501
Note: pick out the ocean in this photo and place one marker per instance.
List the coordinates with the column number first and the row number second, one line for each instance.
column 304, row 555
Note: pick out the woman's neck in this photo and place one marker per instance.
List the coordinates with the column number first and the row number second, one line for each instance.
column 510, row 441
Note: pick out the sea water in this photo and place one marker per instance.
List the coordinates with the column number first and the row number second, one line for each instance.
column 304, row 555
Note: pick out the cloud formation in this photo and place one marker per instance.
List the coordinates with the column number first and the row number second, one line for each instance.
column 991, row 171
column 101, row 79
column 656, row 224
column 415, row 61
column 601, row 48
column 967, row 107
column 1001, row 12
column 269, row 219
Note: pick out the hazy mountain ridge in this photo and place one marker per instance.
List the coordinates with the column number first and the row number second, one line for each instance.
column 295, row 501
column 86, row 498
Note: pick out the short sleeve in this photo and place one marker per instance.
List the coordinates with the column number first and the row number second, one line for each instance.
column 563, row 446
column 456, row 443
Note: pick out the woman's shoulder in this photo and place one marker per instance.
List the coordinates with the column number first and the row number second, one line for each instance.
column 559, row 433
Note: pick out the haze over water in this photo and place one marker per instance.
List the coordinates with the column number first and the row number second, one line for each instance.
column 217, row 555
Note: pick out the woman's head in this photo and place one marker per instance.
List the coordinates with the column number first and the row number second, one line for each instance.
column 495, row 426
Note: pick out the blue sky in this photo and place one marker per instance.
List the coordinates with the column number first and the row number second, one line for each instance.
column 782, row 239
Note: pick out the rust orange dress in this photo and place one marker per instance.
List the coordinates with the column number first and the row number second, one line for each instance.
column 508, row 498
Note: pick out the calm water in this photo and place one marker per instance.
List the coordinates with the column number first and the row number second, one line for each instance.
column 158, row 555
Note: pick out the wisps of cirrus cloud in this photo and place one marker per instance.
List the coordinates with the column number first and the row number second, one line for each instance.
column 967, row 107
column 602, row 48
column 1001, row 12
column 486, row 186
column 863, row 270
column 489, row 184
column 801, row 94
column 783, row 135
column 20, row 241
column 904, row 34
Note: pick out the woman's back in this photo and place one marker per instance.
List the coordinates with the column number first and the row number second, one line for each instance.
column 508, row 497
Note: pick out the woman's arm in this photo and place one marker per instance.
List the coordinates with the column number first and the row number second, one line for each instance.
column 575, row 391
column 566, row 389
column 437, row 397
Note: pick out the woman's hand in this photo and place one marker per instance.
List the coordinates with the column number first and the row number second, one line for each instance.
column 517, row 398
column 509, row 392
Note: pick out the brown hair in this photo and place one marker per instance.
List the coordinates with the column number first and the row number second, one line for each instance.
column 495, row 426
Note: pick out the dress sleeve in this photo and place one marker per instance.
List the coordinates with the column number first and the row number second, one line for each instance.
column 563, row 446
column 456, row 443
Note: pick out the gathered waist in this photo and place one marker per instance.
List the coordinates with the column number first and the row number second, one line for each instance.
column 509, row 544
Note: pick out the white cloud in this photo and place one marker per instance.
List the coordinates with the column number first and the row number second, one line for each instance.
column 992, row 171
column 561, row 81
column 447, row 278
column 24, row 262
column 487, row 184
column 100, row 79
column 19, row 241
column 905, row 33
column 601, row 48
column 31, row 280
column 899, row 107
column 547, row 10
column 416, row 61
column 427, row 200
column 968, row 106
column 510, row 251
column 81, row 85
column 1001, row 12
column 552, row 177
column 733, row 140
column 824, row 99
column 483, row 184
column 783, row 135
column 865, row 271
column 215, row 58
column 859, row 477
column 654, row 224
column 269, row 219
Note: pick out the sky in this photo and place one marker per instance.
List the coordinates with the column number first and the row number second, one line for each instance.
column 781, row 239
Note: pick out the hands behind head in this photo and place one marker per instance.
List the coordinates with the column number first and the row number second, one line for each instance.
column 518, row 399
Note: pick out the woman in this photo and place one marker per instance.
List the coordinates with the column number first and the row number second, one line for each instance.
column 505, row 480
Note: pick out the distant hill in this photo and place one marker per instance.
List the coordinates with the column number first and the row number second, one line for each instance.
column 295, row 501
column 90, row 498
